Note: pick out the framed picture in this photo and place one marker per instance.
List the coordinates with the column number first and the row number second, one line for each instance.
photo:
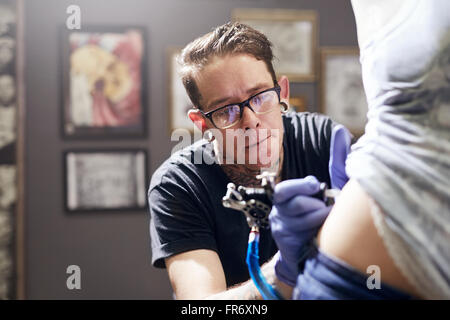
column 342, row 92
column 298, row 103
column 179, row 101
column 105, row 180
column 104, row 82
column 293, row 34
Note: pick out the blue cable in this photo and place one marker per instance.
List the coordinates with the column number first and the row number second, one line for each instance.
column 266, row 290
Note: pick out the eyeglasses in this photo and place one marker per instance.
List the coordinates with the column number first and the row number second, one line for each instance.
column 260, row 103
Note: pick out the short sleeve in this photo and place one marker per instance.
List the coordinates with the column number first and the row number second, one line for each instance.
column 179, row 220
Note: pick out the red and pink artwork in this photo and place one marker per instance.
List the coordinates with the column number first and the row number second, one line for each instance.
column 104, row 90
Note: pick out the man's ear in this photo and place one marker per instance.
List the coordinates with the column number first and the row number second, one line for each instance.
column 283, row 82
column 197, row 118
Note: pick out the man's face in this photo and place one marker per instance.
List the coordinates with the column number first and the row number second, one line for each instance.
column 233, row 79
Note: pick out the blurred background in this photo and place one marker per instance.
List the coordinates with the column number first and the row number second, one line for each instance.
column 88, row 102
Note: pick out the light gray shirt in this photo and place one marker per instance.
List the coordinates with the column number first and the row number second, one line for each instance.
column 403, row 159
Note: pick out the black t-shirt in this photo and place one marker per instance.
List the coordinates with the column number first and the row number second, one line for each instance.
column 185, row 198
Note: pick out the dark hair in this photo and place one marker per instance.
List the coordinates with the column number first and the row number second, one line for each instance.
column 230, row 38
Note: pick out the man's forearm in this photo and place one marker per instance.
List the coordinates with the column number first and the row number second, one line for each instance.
column 248, row 291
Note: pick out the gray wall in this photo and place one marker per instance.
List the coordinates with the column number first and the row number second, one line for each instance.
column 113, row 249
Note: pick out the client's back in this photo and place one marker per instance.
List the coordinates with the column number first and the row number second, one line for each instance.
column 402, row 163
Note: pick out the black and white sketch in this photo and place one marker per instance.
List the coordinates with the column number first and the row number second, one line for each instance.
column 343, row 97
column 293, row 34
column 105, row 180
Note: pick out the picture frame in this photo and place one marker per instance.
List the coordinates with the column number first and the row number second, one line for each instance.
column 104, row 82
column 177, row 97
column 105, row 180
column 342, row 95
column 294, row 37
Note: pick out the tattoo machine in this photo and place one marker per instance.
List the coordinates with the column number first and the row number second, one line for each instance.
column 256, row 204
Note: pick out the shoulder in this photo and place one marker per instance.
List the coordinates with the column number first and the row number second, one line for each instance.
column 309, row 128
column 306, row 145
column 181, row 165
column 306, row 121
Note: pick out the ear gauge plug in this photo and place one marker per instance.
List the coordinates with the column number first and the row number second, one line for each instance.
column 284, row 107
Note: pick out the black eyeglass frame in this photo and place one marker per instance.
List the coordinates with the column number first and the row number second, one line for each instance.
column 241, row 105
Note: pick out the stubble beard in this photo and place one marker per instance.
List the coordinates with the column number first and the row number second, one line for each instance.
column 245, row 175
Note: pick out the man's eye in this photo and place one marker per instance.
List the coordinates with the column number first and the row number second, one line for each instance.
column 257, row 100
column 224, row 112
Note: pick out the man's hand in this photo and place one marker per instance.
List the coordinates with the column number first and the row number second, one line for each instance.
column 339, row 149
column 295, row 219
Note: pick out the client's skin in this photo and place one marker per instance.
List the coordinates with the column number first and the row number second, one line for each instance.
column 349, row 232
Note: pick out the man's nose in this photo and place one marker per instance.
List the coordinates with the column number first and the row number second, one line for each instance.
column 249, row 119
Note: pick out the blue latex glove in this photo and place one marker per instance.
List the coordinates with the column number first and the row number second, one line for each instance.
column 295, row 219
column 339, row 149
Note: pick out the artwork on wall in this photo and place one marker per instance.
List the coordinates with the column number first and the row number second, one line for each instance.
column 179, row 101
column 104, row 82
column 105, row 180
column 293, row 34
column 342, row 92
